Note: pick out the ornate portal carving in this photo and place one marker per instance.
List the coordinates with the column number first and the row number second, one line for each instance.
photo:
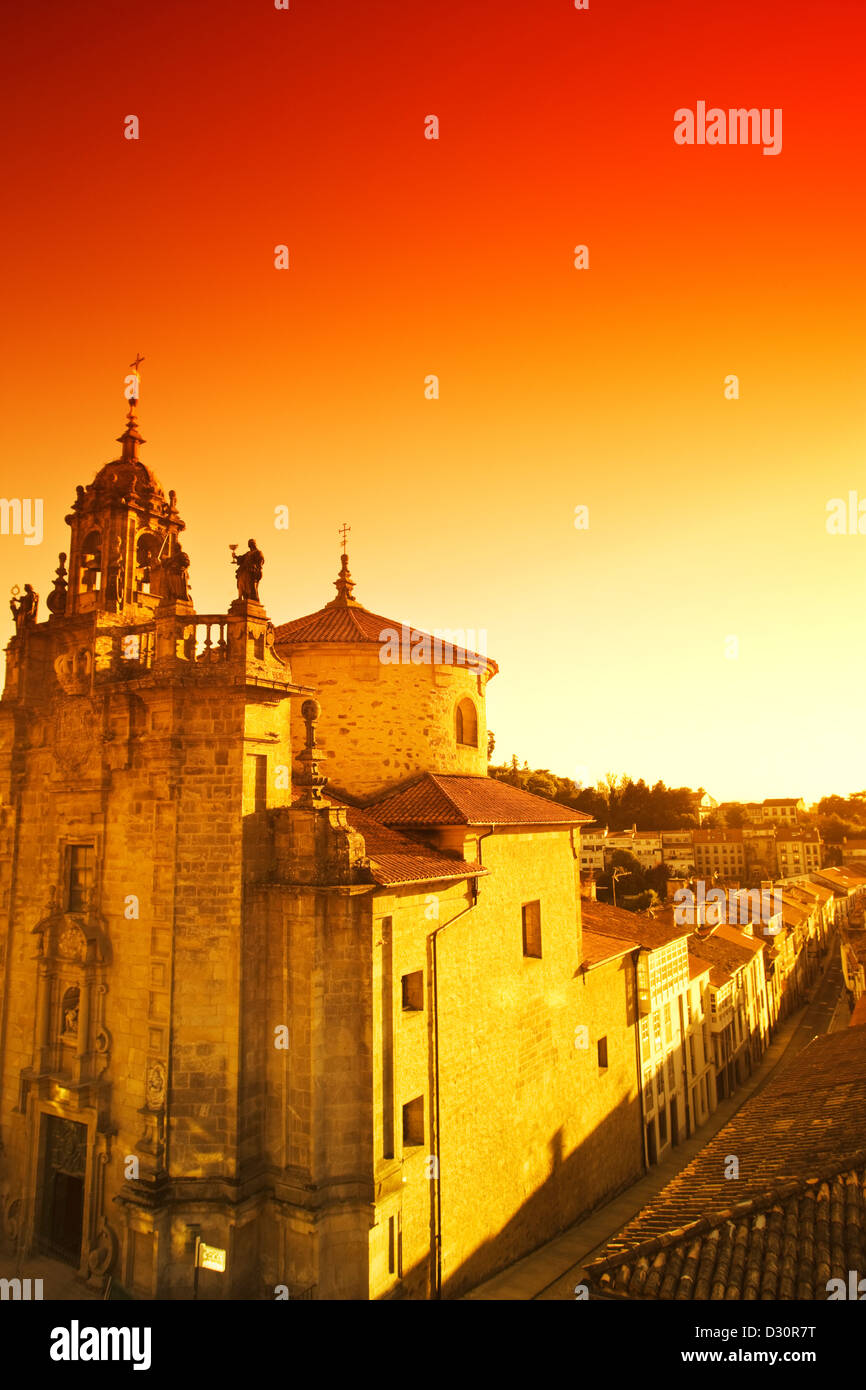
column 71, row 944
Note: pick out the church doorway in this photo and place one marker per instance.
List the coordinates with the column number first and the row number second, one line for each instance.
column 64, row 1165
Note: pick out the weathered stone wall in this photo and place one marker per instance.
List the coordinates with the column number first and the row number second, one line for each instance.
column 533, row 1132
column 381, row 723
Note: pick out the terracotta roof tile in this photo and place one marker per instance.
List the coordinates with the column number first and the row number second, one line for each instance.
column 598, row 948
column 396, row 858
column 438, row 799
column 350, row 622
column 800, row 1214
column 725, row 954
column 631, row 926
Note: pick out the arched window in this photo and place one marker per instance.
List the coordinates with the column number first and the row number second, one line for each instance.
column 146, row 550
column 91, row 562
column 467, row 724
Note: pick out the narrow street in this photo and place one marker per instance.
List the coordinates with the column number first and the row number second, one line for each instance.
column 551, row 1272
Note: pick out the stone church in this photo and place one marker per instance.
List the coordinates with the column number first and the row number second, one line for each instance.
column 281, row 969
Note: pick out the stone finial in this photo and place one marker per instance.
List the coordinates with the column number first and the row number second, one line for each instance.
column 131, row 438
column 309, row 779
column 344, row 584
column 56, row 600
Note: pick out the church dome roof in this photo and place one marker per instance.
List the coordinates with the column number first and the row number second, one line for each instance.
column 346, row 620
column 126, row 475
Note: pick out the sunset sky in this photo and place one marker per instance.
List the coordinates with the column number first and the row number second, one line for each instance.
column 558, row 387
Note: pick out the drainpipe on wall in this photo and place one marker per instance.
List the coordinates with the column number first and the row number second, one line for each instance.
column 643, row 1114
column 434, row 963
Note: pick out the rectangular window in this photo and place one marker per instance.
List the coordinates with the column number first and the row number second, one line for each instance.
column 672, row 1085
column 413, row 1123
column 80, row 876
column 531, row 929
column 392, row 1245
column 413, row 991
column 663, row 1125
column 260, row 802
column 602, row 1052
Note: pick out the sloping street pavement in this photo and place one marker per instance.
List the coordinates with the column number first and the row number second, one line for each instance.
column 552, row 1271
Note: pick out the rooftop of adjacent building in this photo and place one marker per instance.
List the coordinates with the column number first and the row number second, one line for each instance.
column 452, row 799
column 726, row 950
column 800, row 1217
column 619, row 924
column 398, row 859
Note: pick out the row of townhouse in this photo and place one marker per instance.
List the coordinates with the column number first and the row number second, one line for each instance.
column 848, row 884
column 711, row 987
column 674, row 1041
column 755, row 851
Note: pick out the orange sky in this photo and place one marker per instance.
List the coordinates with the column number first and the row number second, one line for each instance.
column 558, row 387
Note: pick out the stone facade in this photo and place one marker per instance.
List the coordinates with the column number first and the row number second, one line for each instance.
column 405, row 710
column 234, row 1008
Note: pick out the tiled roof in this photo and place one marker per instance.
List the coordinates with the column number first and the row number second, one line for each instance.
column 717, row 837
column 781, row 801
column 697, row 966
column 800, row 1214
column 398, row 859
column 598, row 948
column 786, row 1244
column 443, row 799
column 723, row 955
column 350, row 622
column 842, row 880
column 807, row 836
column 631, row 926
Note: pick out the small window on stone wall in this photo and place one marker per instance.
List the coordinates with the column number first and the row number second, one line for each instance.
column 467, row 724
column 413, row 1123
column 531, row 928
column 413, row 991
column 79, row 876
column 602, row 1052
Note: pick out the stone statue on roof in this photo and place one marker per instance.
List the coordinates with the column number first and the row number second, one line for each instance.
column 24, row 609
column 249, row 571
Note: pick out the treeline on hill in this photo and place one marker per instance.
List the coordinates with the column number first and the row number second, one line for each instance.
column 618, row 801
column 838, row 818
